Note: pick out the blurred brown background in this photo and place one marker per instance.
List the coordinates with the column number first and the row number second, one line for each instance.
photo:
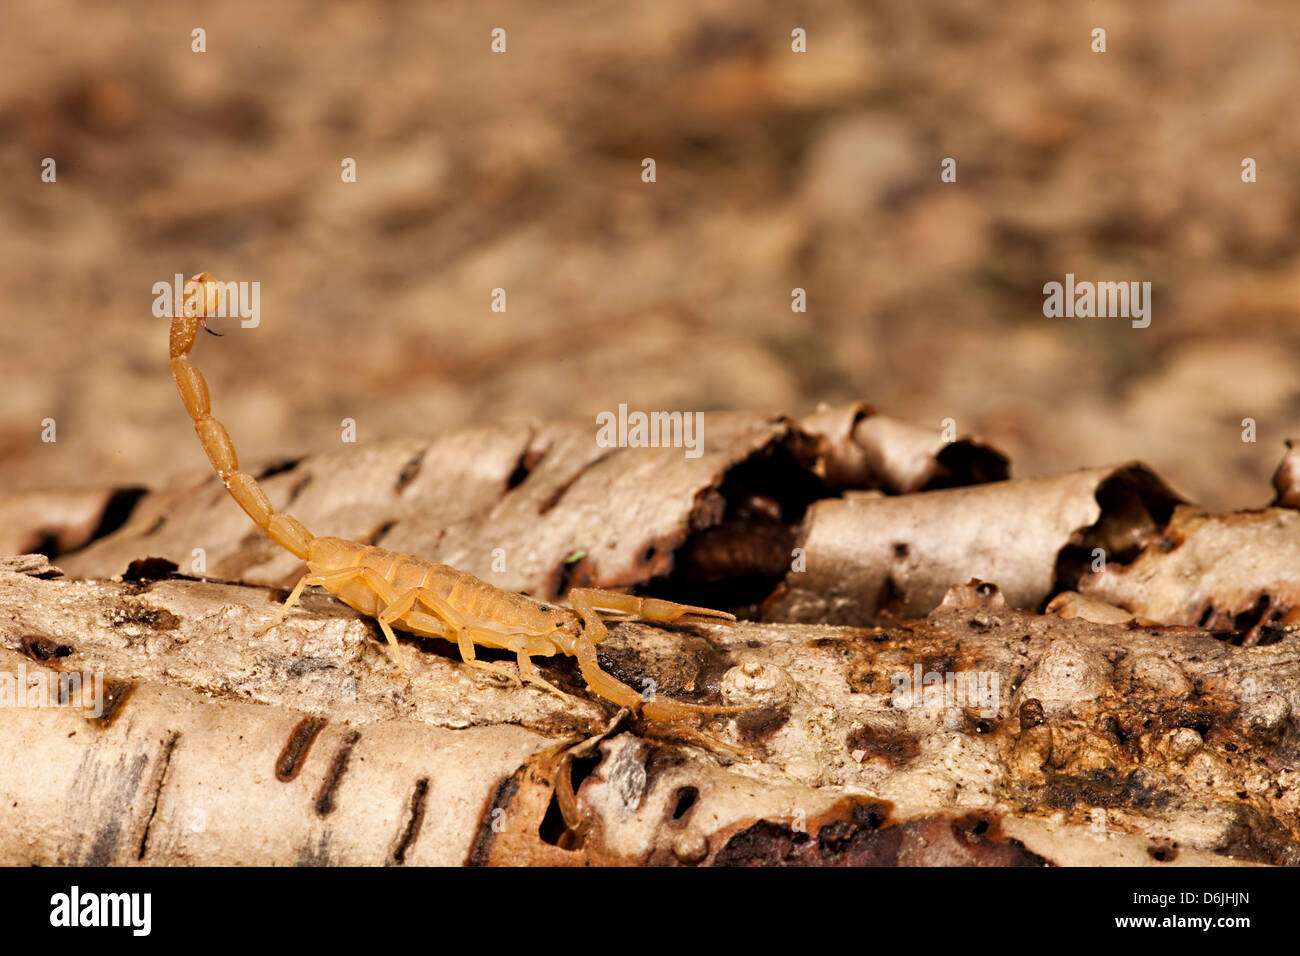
column 775, row 170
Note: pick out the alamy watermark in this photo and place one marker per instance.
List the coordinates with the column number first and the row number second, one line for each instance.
column 1101, row 300
column 53, row 689
column 651, row 430
column 233, row 300
column 932, row 689
column 130, row 910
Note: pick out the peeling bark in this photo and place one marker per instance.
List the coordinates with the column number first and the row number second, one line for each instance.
column 1237, row 571
column 872, row 557
column 55, row 522
column 948, row 724
column 1286, row 480
column 861, row 449
column 539, row 510
column 307, row 745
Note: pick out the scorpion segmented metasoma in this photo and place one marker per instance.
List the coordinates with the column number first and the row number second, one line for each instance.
column 420, row 596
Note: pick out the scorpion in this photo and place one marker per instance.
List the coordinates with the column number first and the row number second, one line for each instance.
column 423, row 598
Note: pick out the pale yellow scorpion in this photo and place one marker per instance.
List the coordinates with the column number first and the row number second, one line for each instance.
column 420, row 596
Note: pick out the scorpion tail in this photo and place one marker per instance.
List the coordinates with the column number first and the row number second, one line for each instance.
column 201, row 298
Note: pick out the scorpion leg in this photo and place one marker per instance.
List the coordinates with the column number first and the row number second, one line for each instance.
column 584, row 601
column 394, row 610
column 336, row 579
column 384, row 590
column 310, row 580
column 464, row 637
column 396, row 607
column 466, row 645
column 333, row 580
column 529, row 672
column 527, row 669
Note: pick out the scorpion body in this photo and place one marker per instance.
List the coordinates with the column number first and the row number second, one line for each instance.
column 420, row 596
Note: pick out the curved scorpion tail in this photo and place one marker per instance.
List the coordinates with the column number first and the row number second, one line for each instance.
column 201, row 298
